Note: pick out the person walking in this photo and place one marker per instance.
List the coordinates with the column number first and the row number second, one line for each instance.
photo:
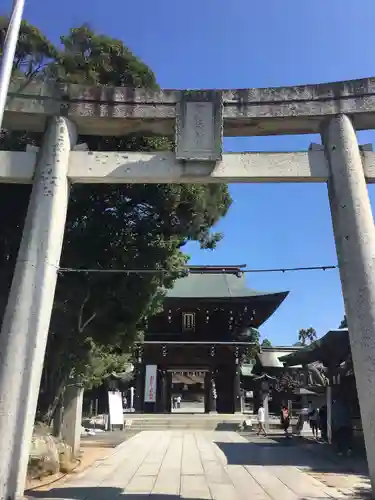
column 313, row 420
column 299, row 426
column 285, row 419
column 323, row 423
column 261, row 421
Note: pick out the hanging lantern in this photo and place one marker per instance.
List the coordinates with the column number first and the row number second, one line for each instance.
column 230, row 321
column 140, row 354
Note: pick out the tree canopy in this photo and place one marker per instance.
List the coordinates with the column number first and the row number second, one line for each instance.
column 34, row 53
column 306, row 336
column 266, row 343
column 132, row 226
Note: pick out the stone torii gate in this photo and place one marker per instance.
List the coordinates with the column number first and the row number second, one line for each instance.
column 198, row 119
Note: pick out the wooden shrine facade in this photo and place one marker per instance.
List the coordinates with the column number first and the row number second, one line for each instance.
column 208, row 324
column 329, row 360
column 220, row 363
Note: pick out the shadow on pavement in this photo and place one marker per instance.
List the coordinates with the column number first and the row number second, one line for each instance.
column 314, row 458
column 289, row 452
column 99, row 493
column 363, row 493
column 102, row 493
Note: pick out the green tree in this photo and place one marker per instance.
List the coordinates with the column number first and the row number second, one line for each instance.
column 101, row 362
column 251, row 336
column 266, row 343
column 91, row 58
column 306, row 336
column 34, row 54
column 109, row 227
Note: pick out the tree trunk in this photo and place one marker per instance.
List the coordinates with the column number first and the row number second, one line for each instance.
column 49, row 400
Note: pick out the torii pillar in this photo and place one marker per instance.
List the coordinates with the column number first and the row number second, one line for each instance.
column 26, row 321
column 354, row 232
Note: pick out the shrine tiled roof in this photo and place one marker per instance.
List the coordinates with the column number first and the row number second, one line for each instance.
column 333, row 347
column 214, row 283
column 267, row 358
column 270, row 358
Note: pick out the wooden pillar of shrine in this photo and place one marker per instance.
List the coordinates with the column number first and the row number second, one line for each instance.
column 210, row 394
column 163, row 393
column 139, row 388
column 207, row 385
column 237, row 388
column 213, row 393
column 169, row 392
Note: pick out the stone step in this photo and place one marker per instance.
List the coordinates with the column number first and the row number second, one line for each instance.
column 139, row 422
column 222, row 427
column 164, row 422
column 182, row 423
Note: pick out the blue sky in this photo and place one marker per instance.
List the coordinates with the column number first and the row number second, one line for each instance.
column 242, row 43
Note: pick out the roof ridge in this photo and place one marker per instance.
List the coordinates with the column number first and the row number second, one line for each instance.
column 211, row 269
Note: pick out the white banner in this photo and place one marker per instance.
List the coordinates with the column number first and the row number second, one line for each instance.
column 116, row 411
column 150, row 384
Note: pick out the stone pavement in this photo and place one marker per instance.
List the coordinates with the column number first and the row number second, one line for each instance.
column 173, row 465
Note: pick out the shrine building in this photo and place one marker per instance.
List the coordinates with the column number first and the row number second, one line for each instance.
column 203, row 334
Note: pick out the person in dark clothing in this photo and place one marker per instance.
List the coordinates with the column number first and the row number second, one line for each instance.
column 285, row 419
column 313, row 420
column 322, row 422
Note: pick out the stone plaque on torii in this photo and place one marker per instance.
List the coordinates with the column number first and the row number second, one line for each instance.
column 200, row 119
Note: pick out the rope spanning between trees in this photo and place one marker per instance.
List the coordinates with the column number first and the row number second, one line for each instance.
column 187, row 271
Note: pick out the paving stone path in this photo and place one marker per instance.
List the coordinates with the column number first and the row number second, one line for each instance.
column 174, row 465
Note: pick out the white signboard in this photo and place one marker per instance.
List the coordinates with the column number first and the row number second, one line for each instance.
column 150, row 384
column 116, row 411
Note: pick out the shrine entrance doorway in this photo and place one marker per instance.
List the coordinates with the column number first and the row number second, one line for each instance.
column 188, row 389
